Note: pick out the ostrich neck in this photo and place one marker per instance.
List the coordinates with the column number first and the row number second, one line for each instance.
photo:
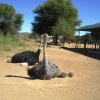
column 40, row 43
column 45, row 60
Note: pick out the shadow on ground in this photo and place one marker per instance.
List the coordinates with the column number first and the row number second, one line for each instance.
column 88, row 52
column 32, row 78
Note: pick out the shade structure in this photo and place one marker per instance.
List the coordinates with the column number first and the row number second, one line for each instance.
column 93, row 27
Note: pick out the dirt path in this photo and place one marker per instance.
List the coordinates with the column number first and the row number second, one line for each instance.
column 15, row 84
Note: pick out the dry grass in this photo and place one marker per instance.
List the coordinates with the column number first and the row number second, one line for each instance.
column 11, row 45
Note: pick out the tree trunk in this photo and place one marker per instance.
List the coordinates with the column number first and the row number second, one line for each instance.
column 63, row 41
column 95, row 44
column 56, row 37
column 85, row 41
column 76, row 45
column 5, row 33
column 53, row 39
column 84, row 46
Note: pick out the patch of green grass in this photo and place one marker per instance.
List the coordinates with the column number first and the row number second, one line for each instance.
column 10, row 39
column 12, row 44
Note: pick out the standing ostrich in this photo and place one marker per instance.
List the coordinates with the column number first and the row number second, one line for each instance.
column 46, row 69
column 26, row 57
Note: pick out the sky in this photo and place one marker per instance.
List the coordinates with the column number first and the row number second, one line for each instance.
column 88, row 11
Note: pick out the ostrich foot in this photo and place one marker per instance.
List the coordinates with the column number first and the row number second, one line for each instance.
column 63, row 75
column 70, row 74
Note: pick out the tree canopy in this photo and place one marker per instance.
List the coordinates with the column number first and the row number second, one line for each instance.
column 62, row 28
column 55, row 17
column 10, row 21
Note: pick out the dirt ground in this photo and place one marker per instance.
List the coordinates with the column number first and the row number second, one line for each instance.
column 15, row 84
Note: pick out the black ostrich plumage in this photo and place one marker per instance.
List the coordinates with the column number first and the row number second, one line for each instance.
column 29, row 57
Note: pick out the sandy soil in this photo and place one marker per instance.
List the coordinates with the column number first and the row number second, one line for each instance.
column 15, row 84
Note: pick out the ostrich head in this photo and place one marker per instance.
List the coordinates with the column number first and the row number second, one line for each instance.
column 45, row 38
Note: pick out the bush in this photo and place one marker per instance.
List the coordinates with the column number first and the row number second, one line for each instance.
column 33, row 36
column 11, row 44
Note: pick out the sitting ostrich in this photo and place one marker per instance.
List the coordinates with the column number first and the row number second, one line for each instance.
column 26, row 57
column 46, row 69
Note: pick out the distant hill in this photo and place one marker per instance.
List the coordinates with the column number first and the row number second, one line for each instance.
column 24, row 34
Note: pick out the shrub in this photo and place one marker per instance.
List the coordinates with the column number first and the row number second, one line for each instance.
column 33, row 36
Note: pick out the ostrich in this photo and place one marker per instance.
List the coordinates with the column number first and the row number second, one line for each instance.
column 46, row 69
column 26, row 57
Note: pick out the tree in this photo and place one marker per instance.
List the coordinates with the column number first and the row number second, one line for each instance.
column 9, row 20
column 18, row 21
column 87, row 39
column 53, row 13
column 95, row 37
column 5, row 26
column 62, row 28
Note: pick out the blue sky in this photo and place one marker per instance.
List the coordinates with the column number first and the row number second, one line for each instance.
column 88, row 11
